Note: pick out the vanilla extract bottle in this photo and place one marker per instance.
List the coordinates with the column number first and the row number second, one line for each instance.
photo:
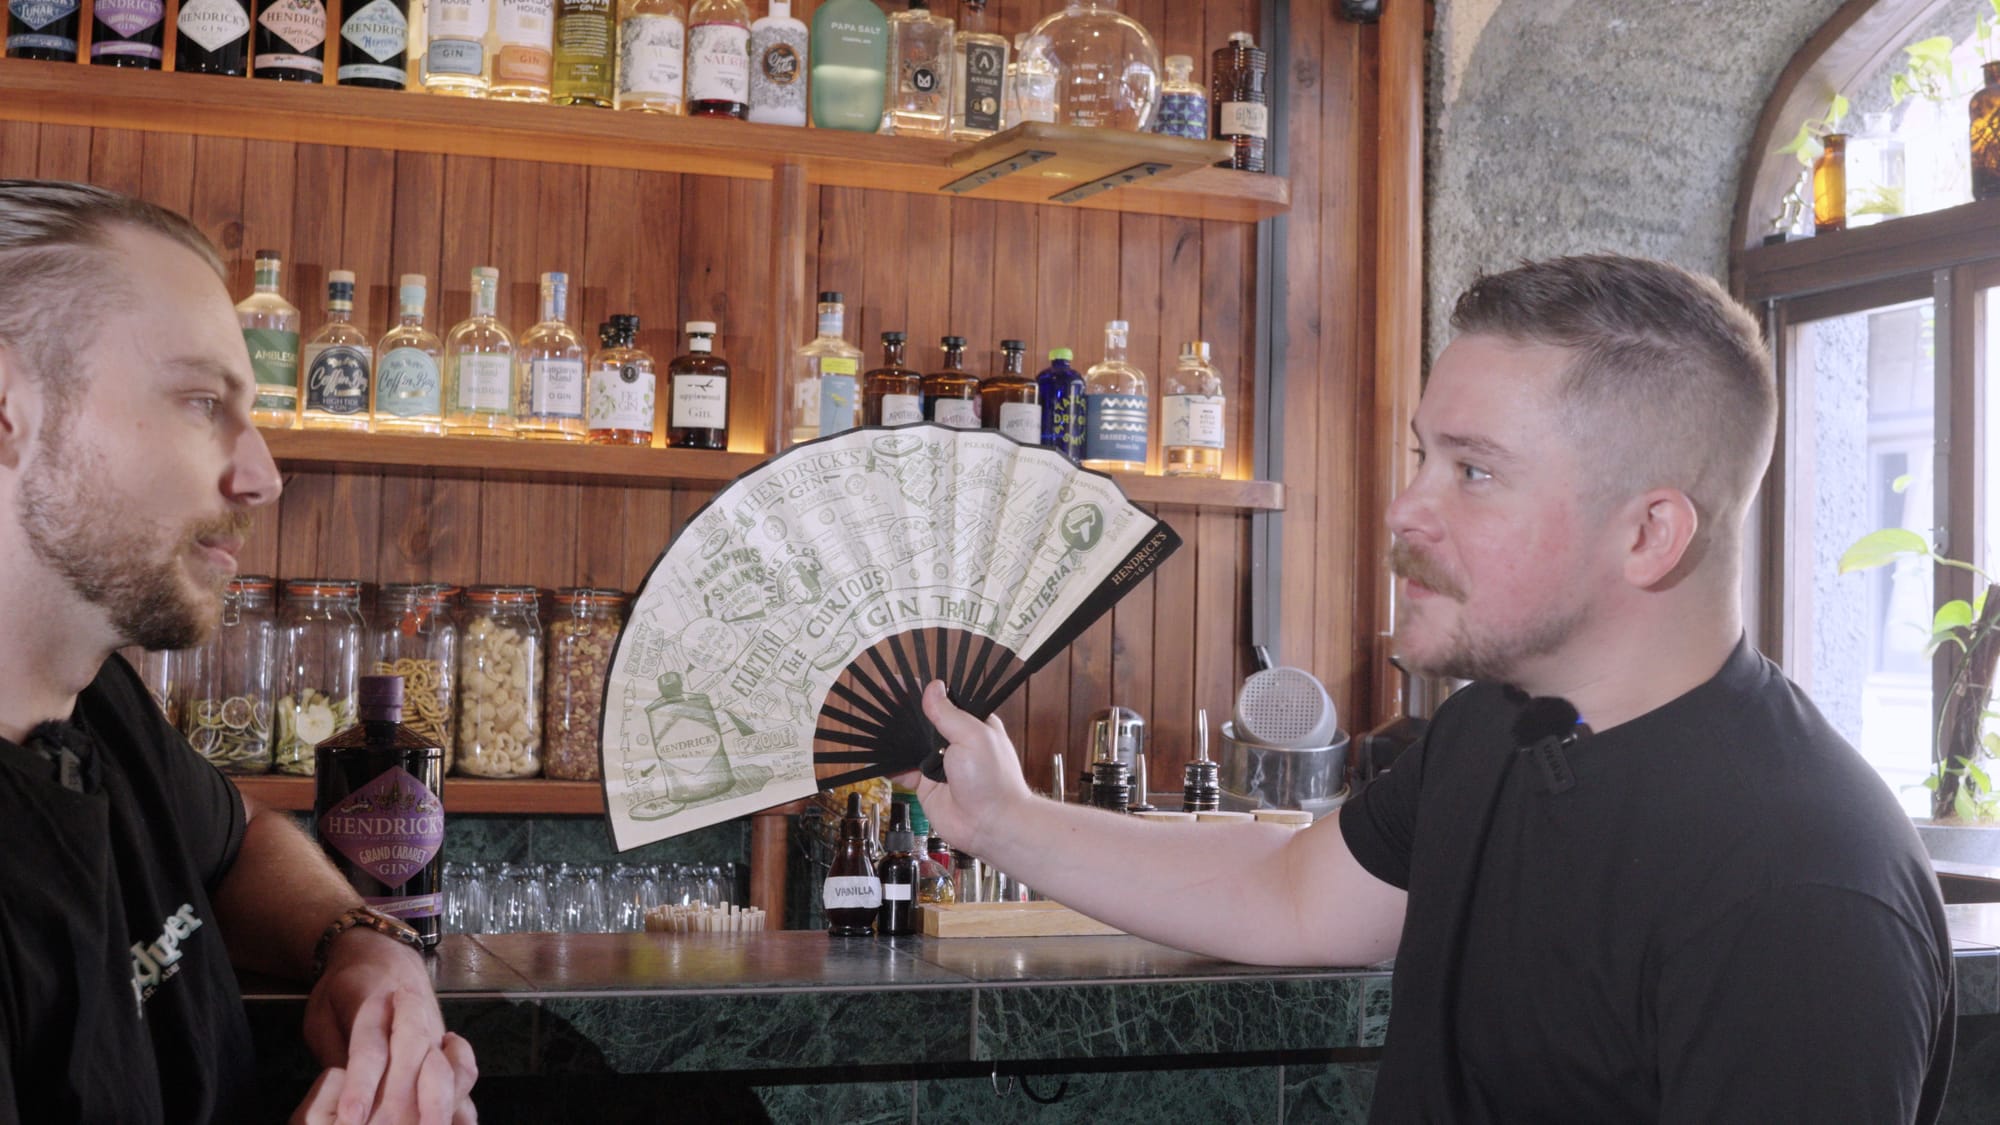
column 339, row 364
column 892, row 394
column 698, row 386
column 852, row 893
column 378, row 809
column 1010, row 401
column 951, row 396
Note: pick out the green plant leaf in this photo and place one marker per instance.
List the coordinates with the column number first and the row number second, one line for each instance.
column 1838, row 110
column 1935, row 50
column 1952, row 615
column 1963, row 804
column 1899, row 89
column 1931, row 783
column 1974, row 774
column 1880, row 548
column 1902, row 484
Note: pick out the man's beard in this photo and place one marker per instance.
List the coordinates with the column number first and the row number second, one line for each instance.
column 120, row 560
column 1467, row 656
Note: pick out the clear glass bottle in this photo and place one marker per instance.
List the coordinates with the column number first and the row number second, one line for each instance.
column 718, row 59
column 320, row 640
column 1877, row 187
column 479, row 366
column 1192, row 412
column 375, row 45
column 778, row 52
column 524, row 34
column 698, row 393
column 622, row 387
column 339, row 364
column 548, row 401
column 951, row 396
column 416, row 637
column 455, row 59
column 825, row 377
column 1114, row 390
column 850, row 65
column 271, row 332
column 583, row 633
column 127, row 33
column 586, row 53
column 920, row 59
column 228, row 681
column 160, row 670
column 1183, row 102
column 1107, row 66
column 375, row 766
column 652, row 56
column 1241, row 103
column 500, row 683
column 1034, row 81
column 980, row 61
column 1010, row 401
column 892, row 394
column 290, row 41
column 408, row 386
column 1060, row 387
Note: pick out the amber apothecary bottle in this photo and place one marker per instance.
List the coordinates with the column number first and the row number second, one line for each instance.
column 1985, row 110
column 852, row 893
column 1830, row 185
column 892, row 394
column 951, row 396
column 698, row 382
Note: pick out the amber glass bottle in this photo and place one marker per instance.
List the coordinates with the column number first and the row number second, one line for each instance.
column 1010, row 401
column 1830, row 185
column 898, row 873
column 698, row 383
column 1985, row 110
column 892, row 394
column 951, row 396
column 852, row 893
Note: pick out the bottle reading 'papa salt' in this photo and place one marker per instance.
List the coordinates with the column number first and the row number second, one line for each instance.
column 378, row 809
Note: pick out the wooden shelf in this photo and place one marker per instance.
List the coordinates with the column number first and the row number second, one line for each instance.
column 1836, row 260
column 207, row 105
column 538, row 796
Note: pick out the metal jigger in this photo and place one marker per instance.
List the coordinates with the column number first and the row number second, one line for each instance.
column 1202, row 791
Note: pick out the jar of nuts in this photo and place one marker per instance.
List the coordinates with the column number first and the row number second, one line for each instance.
column 415, row 637
column 583, row 632
column 227, row 682
column 500, row 683
column 320, row 635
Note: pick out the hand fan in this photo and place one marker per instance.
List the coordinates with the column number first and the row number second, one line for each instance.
column 795, row 620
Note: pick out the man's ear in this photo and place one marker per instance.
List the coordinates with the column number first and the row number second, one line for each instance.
column 1660, row 548
column 20, row 404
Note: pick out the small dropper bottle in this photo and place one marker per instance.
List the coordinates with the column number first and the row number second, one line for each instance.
column 898, row 874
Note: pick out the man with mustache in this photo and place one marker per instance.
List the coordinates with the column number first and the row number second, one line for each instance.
column 1630, row 874
column 135, row 876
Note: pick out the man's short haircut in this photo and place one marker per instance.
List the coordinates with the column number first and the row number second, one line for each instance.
column 1671, row 385
column 57, row 269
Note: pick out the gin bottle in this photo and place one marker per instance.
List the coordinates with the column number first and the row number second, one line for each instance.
column 455, row 61
column 212, row 37
column 920, row 60
column 548, row 401
column 338, row 364
column 652, row 56
column 408, row 387
column 850, row 65
column 127, row 33
column 1009, row 401
column 718, row 59
column 1114, row 438
column 698, row 385
column 479, row 366
column 623, row 386
column 893, row 395
column 374, row 45
column 1183, row 102
column 951, row 396
column 825, row 394
column 45, row 30
column 778, row 68
column 378, row 809
column 979, row 65
column 291, row 41
column 585, row 53
column 271, row 331
column 1242, row 110
column 1060, row 388
column 1191, row 415
column 524, row 53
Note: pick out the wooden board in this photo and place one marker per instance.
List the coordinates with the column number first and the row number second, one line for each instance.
column 1010, row 919
column 461, row 794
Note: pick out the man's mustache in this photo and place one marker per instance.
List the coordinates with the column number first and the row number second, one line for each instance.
column 1406, row 561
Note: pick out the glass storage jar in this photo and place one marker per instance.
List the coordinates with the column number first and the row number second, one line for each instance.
column 499, row 683
column 415, row 637
column 320, row 637
column 228, row 682
column 1107, row 65
column 583, row 633
column 161, row 671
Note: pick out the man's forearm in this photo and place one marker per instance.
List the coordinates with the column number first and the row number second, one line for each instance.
column 279, row 896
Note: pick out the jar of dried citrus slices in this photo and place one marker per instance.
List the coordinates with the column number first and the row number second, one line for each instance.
column 227, row 682
column 415, row 637
column 320, row 635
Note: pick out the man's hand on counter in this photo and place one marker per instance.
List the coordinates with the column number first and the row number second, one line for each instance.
column 373, row 1022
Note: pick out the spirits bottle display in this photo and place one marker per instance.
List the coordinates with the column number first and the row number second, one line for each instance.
column 951, row 396
column 455, row 58
column 979, row 63
column 652, row 56
column 524, row 51
column 586, row 53
column 1183, row 102
column 1114, row 434
column 374, row 45
column 852, row 893
column 850, row 65
column 1010, row 401
column 920, row 63
column 127, row 33
column 1034, row 81
column 1192, row 431
column 898, row 874
column 718, row 63
column 290, row 40
column 479, row 366
column 1829, row 185
column 1242, row 104
column 698, row 386
column 548, row 402
column 409, row 395
column 42, row 29
column 622, row 386
column 892, row 394
column 339, row 364
column 1984, row 111
column 271, row 332
column 1060, row 387
column 212, row 37
column 825, row 377
column 778, row 48
column 378, row 809
column 1107, row 66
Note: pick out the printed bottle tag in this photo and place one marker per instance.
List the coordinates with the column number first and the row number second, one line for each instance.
column 483, row 384
column 128, row 17
column 391, row 827
column 985, row 82
column 407, row 383
column 701, row 402
column 900, row 410
column 337, row 379
column 1192, row 420
column 837, row 399
column 958, row 413
column 622, row 398
column 299, row 23
column 651, row 49
column 274, row 356
column 1022, row 421
column 38, row 14
column 896, row 892
column 851, row 892
column 526, row 23
column 214, row 24
column 1244, row 119
column 1115, row 428
column 556, row 388
column 379, row 30
column 719, row 63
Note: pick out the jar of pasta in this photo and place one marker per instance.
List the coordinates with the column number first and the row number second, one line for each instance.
column 583, row 632
column 320, row 637
column 415, row 637
column 227, row 682
column 500, row 683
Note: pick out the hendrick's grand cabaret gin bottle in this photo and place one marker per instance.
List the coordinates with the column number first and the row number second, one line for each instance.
column 379, row 812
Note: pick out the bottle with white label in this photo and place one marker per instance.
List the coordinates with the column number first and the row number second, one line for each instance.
column 409, row 388
column 981, row 60
column 951, row 396
column 374, row 45
column 479, row 366
column 898, row 873
column 718, row 63
column 852, row 893
column 652, row 56
column 291, row 41
column 548, row 400
column 826, row 391
column 698, row 393
column 524, row 50
column 1115, row 433
column 213, row 38
column 623, row 398
column 339, row 364
column 1191, row 415
column 778, row 67
column 1242, row 103
column 455, row 59
column 271, row 334
column 1010, row 401
column 892, row 394
column 586, row 53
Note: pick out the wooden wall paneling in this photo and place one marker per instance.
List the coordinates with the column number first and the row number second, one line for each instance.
column 651, row 517
column 1056, row 322
column 265, row 216
column 1215, row 618
column 930, row 271
column 1348, row 543
column 1396, row 122
column 404, row 551
column 215, row 203
column 20, row 148
column 64, row 153
column 656, row 277
column 1099, row 300
column 753, row 390
column 789, row 269
column 974, row 285
column 117, row 159
column 1220, row 17
column 1228, row 299
column 511, row 243
column 885, row 221
column 166, row 173
column 465, row 222
column 706, row 256
column 1180, row 32
column 843, row 250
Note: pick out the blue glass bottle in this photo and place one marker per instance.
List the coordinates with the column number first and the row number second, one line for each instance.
column 1060, row 388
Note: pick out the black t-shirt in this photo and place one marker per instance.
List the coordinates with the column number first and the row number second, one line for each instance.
column 1725, row 918
column 117, row 1001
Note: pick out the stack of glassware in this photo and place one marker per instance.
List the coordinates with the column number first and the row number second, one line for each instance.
column 572, row 898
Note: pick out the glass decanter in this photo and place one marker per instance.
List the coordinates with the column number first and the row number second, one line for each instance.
column 1108, row 66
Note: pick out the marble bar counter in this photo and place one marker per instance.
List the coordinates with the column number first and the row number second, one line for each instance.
column 602, row 1026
